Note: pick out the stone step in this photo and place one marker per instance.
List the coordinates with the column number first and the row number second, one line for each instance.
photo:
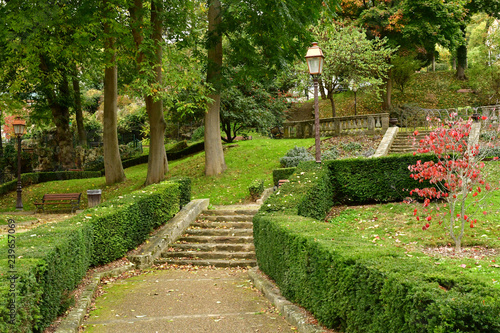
column 243, row 247
column 222, row 225
column 216, row 239
column 216, row 212
column 219, row 232
column 208, row 255
column 227, row 218
column 209, row 262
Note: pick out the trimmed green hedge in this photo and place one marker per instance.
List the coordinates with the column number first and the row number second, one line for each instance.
column 122, row 224
column 351, row 284
column 357, row 287
column 256, row 188
column 184, row 188
column 371, row 180
column 171, row 156
column 42, row 177
column 53, row 259
column 282, row 173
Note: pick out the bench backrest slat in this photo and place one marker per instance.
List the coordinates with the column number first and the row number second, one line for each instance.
column 62, row 196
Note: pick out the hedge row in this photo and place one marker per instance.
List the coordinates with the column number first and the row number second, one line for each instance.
column 282, row 173
column 42, row 177
column 383, row 179
column 316, row 188
column 356, row 287
column 171, row 156
column 51, row 261
column 350, row 284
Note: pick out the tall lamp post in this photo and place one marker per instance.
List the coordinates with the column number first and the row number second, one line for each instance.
column 314, row 59
column 19, row 125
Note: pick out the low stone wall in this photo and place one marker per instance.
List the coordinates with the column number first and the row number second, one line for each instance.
column 367, row 124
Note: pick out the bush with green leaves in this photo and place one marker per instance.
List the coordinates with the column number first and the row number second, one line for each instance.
column 331, row 154
column 198, row 134
column 52, row 259
column 294, row 156
column 351, row 284
column 282, row 173
column 351, row 146
column 256, row 188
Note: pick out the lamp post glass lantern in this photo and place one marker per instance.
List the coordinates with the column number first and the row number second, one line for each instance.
column 314, row 59
column 19, row 126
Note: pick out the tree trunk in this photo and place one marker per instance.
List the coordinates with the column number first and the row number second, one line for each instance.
column 461, row 62
column 462, row 58
column 433, row 62
column 1, row 144
column 332, row 102
column 157, row 161
column 214, row 155
column 57, row 96
column 386, row 98
column 113, row 167
column 82, row 137
column 322, row 90
column 60, row 115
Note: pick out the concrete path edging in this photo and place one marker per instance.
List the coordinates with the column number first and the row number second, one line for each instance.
column 292, row 313
column 74, row 319
column 169, row 233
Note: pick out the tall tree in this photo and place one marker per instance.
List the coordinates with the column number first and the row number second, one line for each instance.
column 351, row 59
column 413, row 25
column 113, row 168
column 214, row 155
column 491, row 7
column 265, row 36
column 148, row 29
column 40, row 44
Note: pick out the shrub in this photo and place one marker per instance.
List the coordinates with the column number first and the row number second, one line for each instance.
column 179, row 146
column 198, row 134
column 356, row 287
column 123, row 223
column 184, row 188
column 351, row 146
column 282, row 173
column 171, row 156
column 358, row 181
column 52, row 260
column 294, row 156
column 256, row 188
column 330, row 154
column 353, row 285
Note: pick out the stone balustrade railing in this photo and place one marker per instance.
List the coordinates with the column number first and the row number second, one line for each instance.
column 366, row 124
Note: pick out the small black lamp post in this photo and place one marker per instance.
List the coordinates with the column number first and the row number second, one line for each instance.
column 19, row 126
column 314, row 59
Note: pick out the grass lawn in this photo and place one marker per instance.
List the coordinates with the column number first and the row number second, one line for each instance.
column 249, row 160
column 393, row 225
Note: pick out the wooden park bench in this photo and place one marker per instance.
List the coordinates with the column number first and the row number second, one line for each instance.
column 67, row 199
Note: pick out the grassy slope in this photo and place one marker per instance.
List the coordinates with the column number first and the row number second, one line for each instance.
column 427, row 90
column 253, row 159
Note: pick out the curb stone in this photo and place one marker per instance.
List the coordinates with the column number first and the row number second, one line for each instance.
column 74, row 319
column 292, row 313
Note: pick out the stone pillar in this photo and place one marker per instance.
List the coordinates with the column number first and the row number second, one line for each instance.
column 385, row 122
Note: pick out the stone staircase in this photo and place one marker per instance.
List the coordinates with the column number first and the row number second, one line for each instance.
column 403, row 142
column 219, row 237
